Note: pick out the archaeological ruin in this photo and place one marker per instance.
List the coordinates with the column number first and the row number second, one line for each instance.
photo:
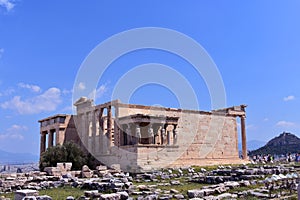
column 141, row 138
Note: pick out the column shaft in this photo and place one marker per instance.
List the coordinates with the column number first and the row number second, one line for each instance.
column 101, row 125
column 174, row 135
column 43, row 143
column 86, row 130
column 109, row 125
column 101, row 131
column 162, row 135
column 128, row 135
column 168, row 138
column 50, row 138
column 244, row 141
column 138, row 136
column 93, row 131
column 80, row 125
column 57, row 137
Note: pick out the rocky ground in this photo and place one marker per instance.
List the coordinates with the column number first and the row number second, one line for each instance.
column 222, row 182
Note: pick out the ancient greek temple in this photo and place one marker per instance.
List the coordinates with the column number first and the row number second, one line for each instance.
column 142, row 138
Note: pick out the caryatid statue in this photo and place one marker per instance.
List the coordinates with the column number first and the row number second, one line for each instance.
column 151, row 134
column 129, row 134
column 138, row 133
column 128, row 130
column 162, row 135
column 175, row 132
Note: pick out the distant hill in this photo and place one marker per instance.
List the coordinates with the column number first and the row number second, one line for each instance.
column 252, row 144
column 282, row 144
column 8, row 157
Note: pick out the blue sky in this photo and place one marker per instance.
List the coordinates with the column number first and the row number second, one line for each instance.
column 255, row 45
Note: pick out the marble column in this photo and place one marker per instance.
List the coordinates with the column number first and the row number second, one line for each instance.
column 79, row 128
column 100, row 121
column 155, row 129
column 93, row 148
column 175, row 135
column 138, row 135
column 84, row 129
column 109, row 126
column 151, row 135
column 244, row 141
column 168, row 138
column 101, row 130
column 80, row 124
column 43, row 142
column 50, row 138
column 58, row 137
column 162, row 135
column 128, row 135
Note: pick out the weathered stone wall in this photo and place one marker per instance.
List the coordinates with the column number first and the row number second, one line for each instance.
column 202, row 137
column 70, row 133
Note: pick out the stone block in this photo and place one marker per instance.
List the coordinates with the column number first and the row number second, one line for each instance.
column 92, row 194
column 52, row 171
column 101, row 168
column 68, row 166
column 112, row 196
column 20, row 194
column 86, row 172
column 44, row 197
column 64, row 167
column 124, row 195
column 195, row 193
column 116, row 167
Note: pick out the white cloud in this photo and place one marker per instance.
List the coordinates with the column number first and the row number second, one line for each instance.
column 250, row 127
column 8, row 92
column 289, row 98
column 7, row 4
column 266, row 119
column 33, row 88
column 285, row 123
column 99, row 92
column 14, row 133
column 81, row 86
column 17, row 136
column 48, row 101
column 66, row 92
column 15, row 128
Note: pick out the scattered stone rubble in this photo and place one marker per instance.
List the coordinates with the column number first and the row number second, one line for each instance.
column 113, row 184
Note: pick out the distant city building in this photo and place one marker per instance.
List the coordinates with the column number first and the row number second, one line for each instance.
column 141, row 138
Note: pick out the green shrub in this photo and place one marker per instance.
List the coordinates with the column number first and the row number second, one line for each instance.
column 68, row 152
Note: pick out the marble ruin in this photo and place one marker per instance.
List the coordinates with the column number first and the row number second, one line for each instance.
column 142, row 138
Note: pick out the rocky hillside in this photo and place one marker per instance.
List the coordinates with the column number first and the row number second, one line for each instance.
column 283, row 144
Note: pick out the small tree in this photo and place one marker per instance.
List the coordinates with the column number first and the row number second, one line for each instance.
column 68, row 152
